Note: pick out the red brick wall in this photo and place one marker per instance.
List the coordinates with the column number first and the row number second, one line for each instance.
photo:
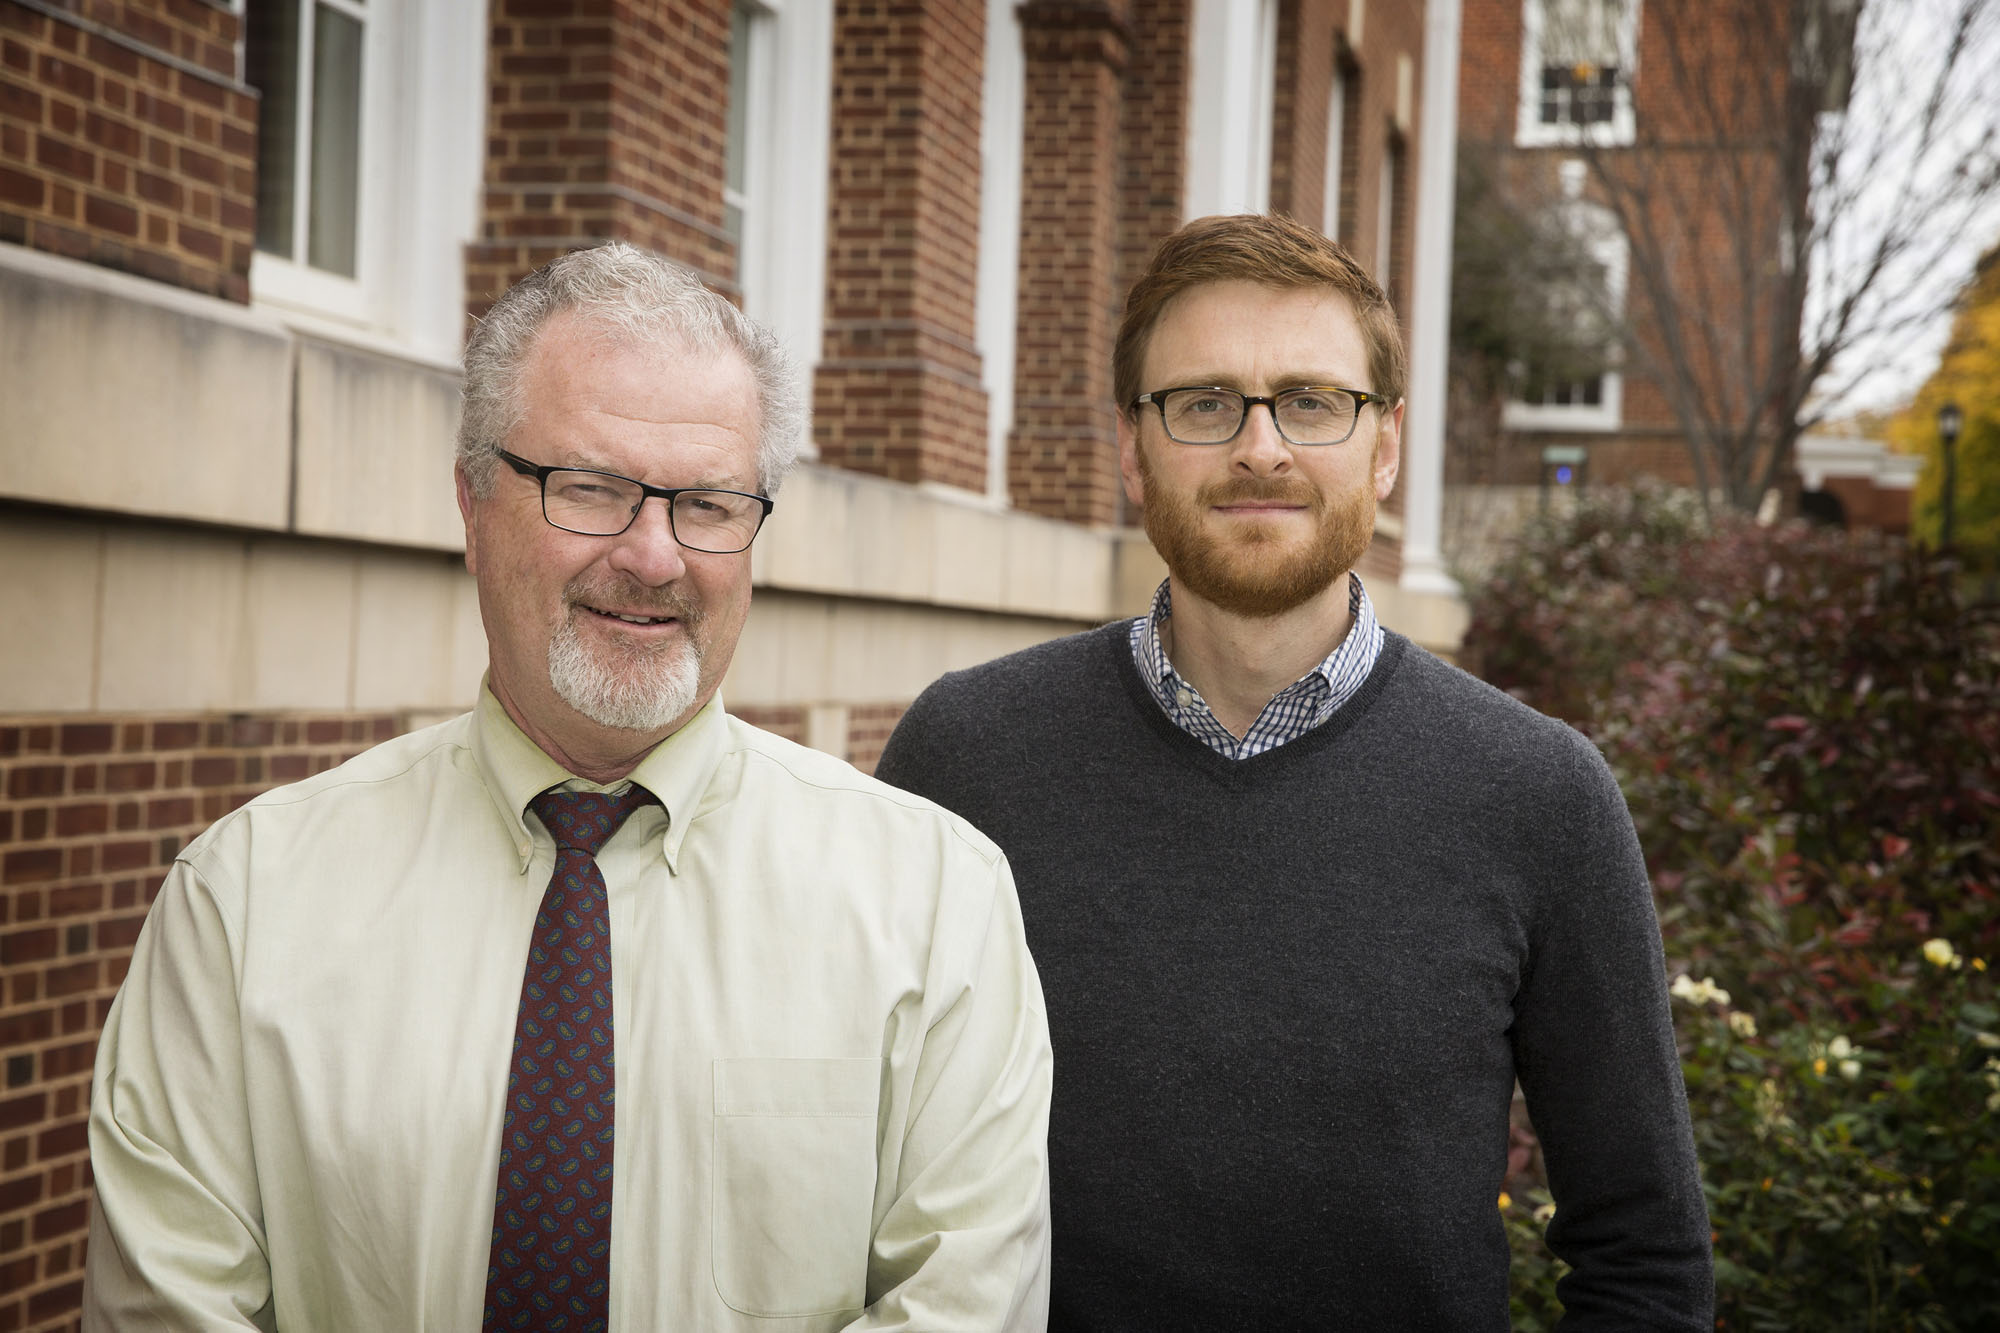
column 1062, row 456
column 605, row 119
column 137, row 152
column 1298, row 107
column 1684, row 149
column 898, row 392
column 92, row 812
column 1152, row 134
column 787, row 720
column 868, row 728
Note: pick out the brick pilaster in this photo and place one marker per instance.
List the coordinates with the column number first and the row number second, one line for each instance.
column 606, row 119
column 1152, row 134
column 898, row 393
column 1063, row 458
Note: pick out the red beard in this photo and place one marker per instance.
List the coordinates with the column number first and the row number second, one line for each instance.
column 1256, row 572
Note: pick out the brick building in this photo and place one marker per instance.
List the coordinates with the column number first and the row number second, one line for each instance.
column 1665, row 141
column 239, row 242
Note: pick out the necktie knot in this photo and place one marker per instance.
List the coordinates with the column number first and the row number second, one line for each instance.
column 585, row 820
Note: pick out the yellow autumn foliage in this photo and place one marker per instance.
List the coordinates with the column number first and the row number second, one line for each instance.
column 1968, row 374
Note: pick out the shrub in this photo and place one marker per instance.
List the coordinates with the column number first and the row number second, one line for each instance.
column 1806, row 727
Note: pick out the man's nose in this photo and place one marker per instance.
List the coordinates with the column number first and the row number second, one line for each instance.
column 1258, row 448
column 648, row 550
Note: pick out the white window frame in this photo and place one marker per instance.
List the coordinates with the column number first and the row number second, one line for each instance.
column 1385, row 218
column 1336, row 126
column 423, row 125
column 1002, row 131
column 788, row 126
column 1598, row 229
column 1621, row 130
column 1232, row 83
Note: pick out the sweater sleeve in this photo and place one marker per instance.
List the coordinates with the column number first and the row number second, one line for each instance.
column 1596, row 1057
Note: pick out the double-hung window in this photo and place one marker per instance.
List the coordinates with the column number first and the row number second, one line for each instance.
column 776, row 163
column 369, row 154
column 1577, row 64
column 1593, row 305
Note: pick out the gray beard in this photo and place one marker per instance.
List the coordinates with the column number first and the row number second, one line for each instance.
column 640, row 691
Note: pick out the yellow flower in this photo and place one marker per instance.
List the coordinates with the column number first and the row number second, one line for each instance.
column 1979, row 964
column 1939, row 953
column 1767, row 1184
column 1506, row 1199
column 1819, row 1067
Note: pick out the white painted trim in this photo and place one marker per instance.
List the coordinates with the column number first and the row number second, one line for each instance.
column 1002, row 127
column 1336, row 105
column 1231, row 79
column 1430, row 309
column 1385, row 218
column 789, row 128
column 1619, row 131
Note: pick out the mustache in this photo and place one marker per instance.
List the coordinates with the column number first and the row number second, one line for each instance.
column 627, row 595
column 1284, row 490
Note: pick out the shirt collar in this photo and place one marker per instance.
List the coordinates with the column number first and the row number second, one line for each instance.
column 1162, row 677
column 516, row 770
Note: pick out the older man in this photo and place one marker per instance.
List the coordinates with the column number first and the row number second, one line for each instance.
column 1307, row 900
column 595, row 1007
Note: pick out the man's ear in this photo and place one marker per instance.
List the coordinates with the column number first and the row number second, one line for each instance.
column 1128, row 458
column 1388, row 451
column 465, row 501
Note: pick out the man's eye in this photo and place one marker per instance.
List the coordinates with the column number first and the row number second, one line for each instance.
column 588, row 492
column 1308, row 404
column 1207, row 405
column 705, row 505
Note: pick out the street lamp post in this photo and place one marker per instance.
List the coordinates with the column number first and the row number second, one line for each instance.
column 1950, row 422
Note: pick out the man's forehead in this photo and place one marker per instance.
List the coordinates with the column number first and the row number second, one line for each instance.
column 1317, row 324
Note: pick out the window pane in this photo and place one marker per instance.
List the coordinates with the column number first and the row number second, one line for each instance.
column 271, row 64
column 336, row 141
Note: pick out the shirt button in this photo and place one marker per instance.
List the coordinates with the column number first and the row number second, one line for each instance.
column 1183, row 696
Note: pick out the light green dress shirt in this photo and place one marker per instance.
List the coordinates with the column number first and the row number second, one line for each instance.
column 833, row 1059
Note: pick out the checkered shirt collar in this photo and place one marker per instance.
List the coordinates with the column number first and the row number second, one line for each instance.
column 1292, row 712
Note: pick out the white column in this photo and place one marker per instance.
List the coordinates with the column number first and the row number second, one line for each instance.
column 1232, row 78
column 1430, row 312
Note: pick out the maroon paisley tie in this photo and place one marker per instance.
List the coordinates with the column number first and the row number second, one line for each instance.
column 550, row 1267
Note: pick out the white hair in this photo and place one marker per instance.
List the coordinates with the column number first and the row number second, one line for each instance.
column 635, row 298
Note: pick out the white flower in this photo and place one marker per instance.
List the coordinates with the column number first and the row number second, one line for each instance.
column 1939, row 953
column 1850, row 1069
column 1704, row 991
column 1743, row 1025
column 1839, row 1048
column 1545, row 1213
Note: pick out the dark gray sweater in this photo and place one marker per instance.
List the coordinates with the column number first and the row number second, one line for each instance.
column 1290, row 996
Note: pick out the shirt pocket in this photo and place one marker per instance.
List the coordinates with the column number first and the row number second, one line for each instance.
column 794, row 1184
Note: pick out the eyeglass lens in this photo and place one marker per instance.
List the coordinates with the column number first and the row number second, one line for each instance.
column 1304, row 416
column 603, row 506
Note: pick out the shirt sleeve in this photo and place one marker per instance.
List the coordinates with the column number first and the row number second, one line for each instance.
column 1598, row 1063
column 177, row 1234
column 965, row 1242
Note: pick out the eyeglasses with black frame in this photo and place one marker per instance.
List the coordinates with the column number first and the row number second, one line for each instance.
column 1312, row 414
column 604, row 504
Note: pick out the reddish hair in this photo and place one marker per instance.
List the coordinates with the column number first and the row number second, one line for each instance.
column 1269, row 250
